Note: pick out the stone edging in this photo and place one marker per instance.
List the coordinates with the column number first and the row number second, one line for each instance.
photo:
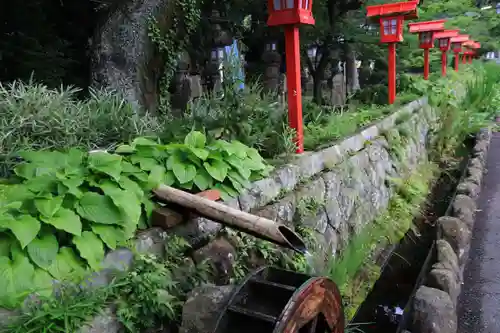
column 434, row 307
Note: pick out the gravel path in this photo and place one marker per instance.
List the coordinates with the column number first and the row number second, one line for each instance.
column 479, row 303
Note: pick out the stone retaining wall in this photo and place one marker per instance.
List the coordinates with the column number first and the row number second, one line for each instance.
column 347, row 183
column 434, row 307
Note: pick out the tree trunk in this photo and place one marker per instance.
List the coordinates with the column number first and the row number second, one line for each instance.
column 124, row 58
column 351, row 72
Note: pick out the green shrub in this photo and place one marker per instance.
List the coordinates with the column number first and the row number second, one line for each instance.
column 34, row 117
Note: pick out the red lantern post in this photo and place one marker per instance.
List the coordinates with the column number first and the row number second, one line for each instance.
column 443, row 38
column 391, row 17
column 426, row 32
column 291, row 13
column 456, row 47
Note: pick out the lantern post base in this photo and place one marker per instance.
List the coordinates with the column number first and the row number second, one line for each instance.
column 426, row 63
column 392, row 73
column 444, row 60
column 292, row 52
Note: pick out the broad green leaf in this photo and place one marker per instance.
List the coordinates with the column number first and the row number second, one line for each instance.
column 43, row 250
column 156, row 176
column 124, row 149
column 73, row 184
column 17, row 280
column 45, row 184
column 149, row 207
column 237, row 177
column 146, row 163
column 195, row 139
column 202, row 154
column 110, row 235
column 25, row 228
column 217, row 169
column 126, row 201
column 187, row 186
column 109, row 164
column 5, row 244
column 203, row 180
column 141, row 141
column 169, row 178
column 42, row 282
column 6, row 207
column 99, row 208
column 65, row 219
column 226, row 192
column 48, row 205
column 239, row 165
column 184, row 172
column 241, row 149
column 91, row 248
column 129, row 185
column 67, row 265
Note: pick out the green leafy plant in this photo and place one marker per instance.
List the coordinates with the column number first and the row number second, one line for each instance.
column 66, row 208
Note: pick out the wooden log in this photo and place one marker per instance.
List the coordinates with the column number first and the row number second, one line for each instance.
column 249, row 223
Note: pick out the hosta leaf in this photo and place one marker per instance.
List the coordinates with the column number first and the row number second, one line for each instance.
column 195, row 139
column 67, row 265
column 5, row 244
column 146, row 163
column 73, row 184
column 126, row 201
column 98, row 208
column 65, row 219
column 124, row 149
column 217, row 169
column 42, row 282
column 25, row 228
column 17, row 280
column 237, row 177
column 141, row 141
column 239, row 165
column 202, row 154
column 156, row 176
column 109, row 234
column 203, row 180
column 48, row 205
column 226, row 192
column 45, row 184
column 149, row 207
column 91, row 248
column 109, row 164
column 184, row 172
column 169, row 178
column 43, row 250
column 129, row 185
column 241, row 149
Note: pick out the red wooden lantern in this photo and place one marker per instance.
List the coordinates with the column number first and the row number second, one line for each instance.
column 284, row 12
column 426, row 32
column 456, row 47
column 291, row 13
column 443, row 38
column 391, row 17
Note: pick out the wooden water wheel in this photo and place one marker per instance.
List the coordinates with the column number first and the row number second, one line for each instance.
column 273, row 300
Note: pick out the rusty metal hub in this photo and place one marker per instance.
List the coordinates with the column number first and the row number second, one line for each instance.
column 273, row 300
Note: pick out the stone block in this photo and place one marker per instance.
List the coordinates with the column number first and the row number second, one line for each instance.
column 288, row 176
column 259, row 194
column 446, row 257
column 221, row 254
column 445, row 280
column 106, row 322
column 151, row 241
column 197, row 230
column 433, row 312
column 464, row 208
column 202, row 308
column 310, row 164
column 469, row 189
column 455, row 232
